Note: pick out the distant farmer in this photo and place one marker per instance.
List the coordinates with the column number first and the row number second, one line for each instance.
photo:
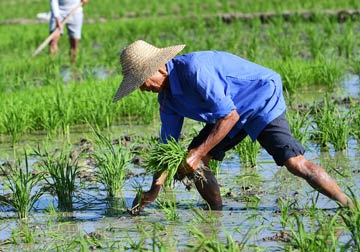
column 59, row 10
column 233, row 96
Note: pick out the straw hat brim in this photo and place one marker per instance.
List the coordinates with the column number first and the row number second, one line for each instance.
column 146, row 69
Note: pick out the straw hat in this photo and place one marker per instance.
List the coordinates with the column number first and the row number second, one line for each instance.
column 139, row 61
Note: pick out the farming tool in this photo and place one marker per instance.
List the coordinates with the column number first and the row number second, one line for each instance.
column 51, row 36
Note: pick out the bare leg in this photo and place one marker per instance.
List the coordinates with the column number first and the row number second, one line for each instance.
column 53, row 48
column 209, row 190
column 317, row 178
column 74, row 45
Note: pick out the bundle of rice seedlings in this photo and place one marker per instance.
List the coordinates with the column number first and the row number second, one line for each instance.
column 165, row 157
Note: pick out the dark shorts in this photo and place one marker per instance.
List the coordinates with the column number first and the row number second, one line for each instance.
column 275, row 138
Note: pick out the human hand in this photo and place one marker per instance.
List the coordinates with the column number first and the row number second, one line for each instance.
column 84, row 2
column 141, row 200
column 184, row 170
column 193, row 159
column 59, row 25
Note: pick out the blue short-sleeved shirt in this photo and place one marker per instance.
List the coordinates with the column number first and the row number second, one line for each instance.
column 207, row 85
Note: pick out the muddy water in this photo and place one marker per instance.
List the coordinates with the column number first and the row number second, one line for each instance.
column 245, row 208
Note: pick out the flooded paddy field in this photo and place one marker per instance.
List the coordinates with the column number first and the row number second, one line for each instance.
column 263, row 205
column 71, row 161
column 251, row 213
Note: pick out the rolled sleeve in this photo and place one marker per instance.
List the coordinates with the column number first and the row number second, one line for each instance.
column 223, row 107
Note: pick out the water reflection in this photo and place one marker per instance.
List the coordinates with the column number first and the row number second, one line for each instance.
column 69, row 74
column 351, row 85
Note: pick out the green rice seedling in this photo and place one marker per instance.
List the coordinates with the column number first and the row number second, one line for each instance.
column 208, row 239
column 157, row 238
column 354, row 65
column 51, row 210
column 169, row 207
column 347, row 41
column 299, row 124
column 24, row 187
column 323, row 237
column 165, row 158
column 62, row 171
column 99, row 110
column 202, row 216
column 249, row 179
column 355, row 122
column 93, row 240
column 135, row 243
column 332, row 126
column 214, row 166
column 327, row 72
column 63, row 108
column 351, row 219
column 209, row 242
column 139, row 194
column 285, row 47
column 115, row 207
column 250, row 183
column 316, row 43
column 248, row 152
column 323, row 118
column 158, row 243
column 23, row 234
column 285, row 206
column 112, row 164
column 16, row 119
column 143, row 106
column 341, row 132
column 292, row 75
column 71, row 243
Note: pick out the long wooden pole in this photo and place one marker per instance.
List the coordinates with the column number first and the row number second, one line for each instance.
column 51, row 36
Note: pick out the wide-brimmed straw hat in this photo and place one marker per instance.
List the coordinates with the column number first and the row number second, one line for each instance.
column 139, row 61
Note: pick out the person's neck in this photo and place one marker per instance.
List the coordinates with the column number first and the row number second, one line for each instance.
column 166, row 82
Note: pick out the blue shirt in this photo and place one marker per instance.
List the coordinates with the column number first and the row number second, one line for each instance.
column 206, row 86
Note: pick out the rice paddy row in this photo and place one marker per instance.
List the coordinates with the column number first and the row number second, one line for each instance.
column 36, row 87
column 118, row 9
column 58, row 173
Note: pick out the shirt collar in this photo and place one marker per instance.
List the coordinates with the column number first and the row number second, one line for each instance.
column 175, row 86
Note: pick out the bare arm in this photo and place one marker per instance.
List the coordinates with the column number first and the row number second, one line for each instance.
column 144, row 199
column 220, row 130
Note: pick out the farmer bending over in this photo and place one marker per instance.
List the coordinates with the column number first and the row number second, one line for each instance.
column 59, row 10
column 233, row 96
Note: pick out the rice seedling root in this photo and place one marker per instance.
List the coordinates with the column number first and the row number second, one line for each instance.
column 197, row 175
